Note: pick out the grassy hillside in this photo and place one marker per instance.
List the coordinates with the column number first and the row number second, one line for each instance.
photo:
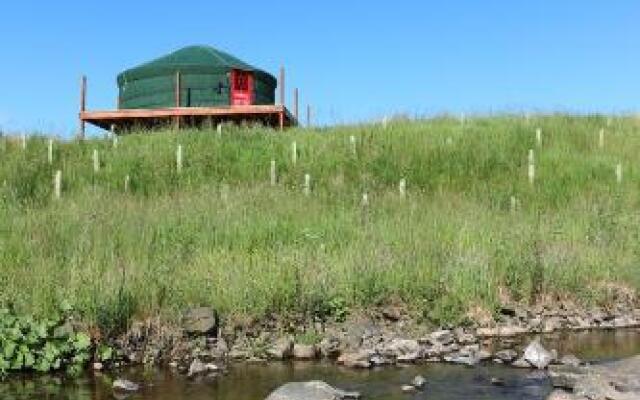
column 218, row 233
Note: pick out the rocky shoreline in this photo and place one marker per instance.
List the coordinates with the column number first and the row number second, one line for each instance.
column 384, row 337
column 201, row 346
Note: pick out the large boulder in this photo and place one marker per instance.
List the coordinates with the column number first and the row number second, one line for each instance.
column 200, row 321
column 304, row 351
column 313, row 390
column 537, row 355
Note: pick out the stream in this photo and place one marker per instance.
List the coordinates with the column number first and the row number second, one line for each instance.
column 245, row 381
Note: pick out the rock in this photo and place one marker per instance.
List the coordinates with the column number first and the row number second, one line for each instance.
column 470, row 349
column 313, row 390
column 404, row 350
column 483, row 355
column 125, row 385
column 465, row 338
column 443, row 337
column 467, row 355
column 200, row 321
column 551, row 324
column 497, row 381
column 407, row 388
column 196, row 367
column 329, row 347
column 212, row 367
column 537, row 355
column 304, row 351
column 507, row 355
column 521, row 363
column 356, row 359
column 392, row 313
column 378, row 360
column 439, row 350
column 281, row 349
column 464, row 359
column 570, row 359
column 238, row 354
column 97, row 366
column 418, row 381
column 534, row 324
column 221, row 346
column 625, row 321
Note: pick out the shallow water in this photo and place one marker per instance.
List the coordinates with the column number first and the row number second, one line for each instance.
column 254, row 381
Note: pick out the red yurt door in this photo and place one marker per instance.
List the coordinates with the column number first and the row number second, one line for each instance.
column 241, row 88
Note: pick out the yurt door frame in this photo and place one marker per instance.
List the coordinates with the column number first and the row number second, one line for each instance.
column 241, row 88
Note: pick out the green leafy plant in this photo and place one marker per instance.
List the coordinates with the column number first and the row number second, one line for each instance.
column 338, row 308
column 34, row 345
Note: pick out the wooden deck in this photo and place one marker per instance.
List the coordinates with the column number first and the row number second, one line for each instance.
column 123, row 120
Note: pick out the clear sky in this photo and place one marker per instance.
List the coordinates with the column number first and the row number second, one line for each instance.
column 352, row 61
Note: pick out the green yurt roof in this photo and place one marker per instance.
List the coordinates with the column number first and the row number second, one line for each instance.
column 194, row 59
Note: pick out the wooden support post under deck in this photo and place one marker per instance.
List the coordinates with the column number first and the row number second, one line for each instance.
column 83, row 103
column 295, row 104
column 308, row 116
column 281, row 120
column 281, row 84
column 178, row 88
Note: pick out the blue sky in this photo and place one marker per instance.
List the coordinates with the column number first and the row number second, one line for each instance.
column 352, row 61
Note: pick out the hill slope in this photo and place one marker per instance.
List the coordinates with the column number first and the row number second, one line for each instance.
column 470, row 231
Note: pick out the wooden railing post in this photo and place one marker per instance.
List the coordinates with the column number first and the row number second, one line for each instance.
column 295, row 104
column 83, row 105
column 281, row 84
column 177, row 98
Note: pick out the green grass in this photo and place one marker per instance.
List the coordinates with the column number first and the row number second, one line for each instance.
column 218, row 234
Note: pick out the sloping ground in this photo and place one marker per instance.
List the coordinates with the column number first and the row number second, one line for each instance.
column 137, row 236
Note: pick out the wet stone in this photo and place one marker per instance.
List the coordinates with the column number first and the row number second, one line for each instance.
column 125, row 385
column 408, row 388
column 313, row 390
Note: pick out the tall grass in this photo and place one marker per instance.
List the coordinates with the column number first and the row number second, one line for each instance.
column 218, row 234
